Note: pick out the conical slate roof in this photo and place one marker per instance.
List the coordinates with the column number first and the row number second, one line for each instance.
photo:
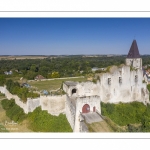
column 133, row 52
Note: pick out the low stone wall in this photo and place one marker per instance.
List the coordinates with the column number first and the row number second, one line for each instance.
column 53, row 104
column 15, row 97
column 32, row 104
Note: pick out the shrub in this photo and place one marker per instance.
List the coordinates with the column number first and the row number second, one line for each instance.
column 41, row 121
column 148, row 87
column 2, row 80
column 13, row 111
column 22, row 92
column 124, row 113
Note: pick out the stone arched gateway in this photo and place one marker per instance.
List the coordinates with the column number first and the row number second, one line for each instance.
column 86, row 108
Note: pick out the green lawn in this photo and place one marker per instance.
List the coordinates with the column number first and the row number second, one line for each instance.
column 52, row 84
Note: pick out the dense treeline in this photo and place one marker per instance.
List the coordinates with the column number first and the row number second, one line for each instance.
column 127, row 114
column 22, row 92
column 65, row 66
column 146, row 60
column 2, row 80
column 13, row 111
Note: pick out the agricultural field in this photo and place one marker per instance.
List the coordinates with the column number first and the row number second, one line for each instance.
column 53, row 84
column 21, row 57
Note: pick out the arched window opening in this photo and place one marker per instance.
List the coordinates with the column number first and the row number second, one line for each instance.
column 74, row 91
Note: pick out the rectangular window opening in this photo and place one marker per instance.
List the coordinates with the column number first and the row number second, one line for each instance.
column 109, row 81
column 120, row 79
column 136, row 78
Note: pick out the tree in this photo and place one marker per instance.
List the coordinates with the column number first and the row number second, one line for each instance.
column 2, row 80
column 55, row 75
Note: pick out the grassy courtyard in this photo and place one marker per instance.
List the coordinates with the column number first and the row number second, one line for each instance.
column 53, row 84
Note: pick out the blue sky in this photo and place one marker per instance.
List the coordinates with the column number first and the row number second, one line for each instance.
column 73, row 36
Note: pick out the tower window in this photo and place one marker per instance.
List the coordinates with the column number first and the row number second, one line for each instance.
column 120, row 79
column 109, row 81
column 74, row 91
column 136, row 78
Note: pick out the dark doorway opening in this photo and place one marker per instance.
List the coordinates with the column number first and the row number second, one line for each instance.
column 94, row 109
column 74, row 91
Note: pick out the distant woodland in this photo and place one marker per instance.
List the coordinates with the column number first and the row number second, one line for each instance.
column 60, row 66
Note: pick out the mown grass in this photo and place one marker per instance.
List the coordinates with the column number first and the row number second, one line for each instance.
column 52, row 84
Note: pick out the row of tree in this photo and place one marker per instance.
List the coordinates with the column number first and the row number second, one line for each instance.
column 64, row 66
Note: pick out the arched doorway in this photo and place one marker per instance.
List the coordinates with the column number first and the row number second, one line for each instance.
column 74, row 91
column 86, row 108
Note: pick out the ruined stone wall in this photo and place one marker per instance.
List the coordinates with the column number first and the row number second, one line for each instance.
column 87, row 89
column 127, row 91
column 136, row 63
column 17, row 99
column 115, row 91
column 32, row 104
column 70, row 111
column 53, row 104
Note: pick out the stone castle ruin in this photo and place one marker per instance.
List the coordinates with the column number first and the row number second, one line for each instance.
column 82, row 100
column 120, row 84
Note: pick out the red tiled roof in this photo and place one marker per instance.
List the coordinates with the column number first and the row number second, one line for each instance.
column 39, row 77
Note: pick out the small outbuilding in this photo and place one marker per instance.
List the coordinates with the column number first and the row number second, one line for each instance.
column 39, row 77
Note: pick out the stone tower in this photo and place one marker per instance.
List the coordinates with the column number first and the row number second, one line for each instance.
column 133, row 59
